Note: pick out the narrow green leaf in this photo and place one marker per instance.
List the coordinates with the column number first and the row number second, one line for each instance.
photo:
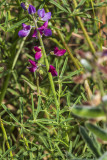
column 7, row 152
column 17, row 24
column 58, row 6
column 38, row 107
column 32, row 86
column 10, row 114
column 89, row 142
column 64, row 67
column 99, row 132
column 60, row 152
column 81, row 3
column 88, row 112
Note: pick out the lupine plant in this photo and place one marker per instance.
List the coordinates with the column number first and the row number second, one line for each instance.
column 53, row 69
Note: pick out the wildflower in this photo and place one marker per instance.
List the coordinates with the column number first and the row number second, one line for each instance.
column 34, row 67
column 104, row 52
column 43, row 30
column 59, row 52
column 35, row 33
column 38, row 53
column 53, row 71
column 25, row 31
column 44, row 16
column 31, row 9
column 23, row 6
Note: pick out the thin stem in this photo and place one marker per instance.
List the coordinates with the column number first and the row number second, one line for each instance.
column 5, row 84
column 5, row 136
column 84, row 31
column 75, row 60
column 3, row 91
column 47, row 67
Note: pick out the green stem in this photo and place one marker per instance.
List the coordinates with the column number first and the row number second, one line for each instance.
column 3, row 92
column 84, row 31
column 5, row 136
column 47, row 67
column 13, row 60
column 75, row 61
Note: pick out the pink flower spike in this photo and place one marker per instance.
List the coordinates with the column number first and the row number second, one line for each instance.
column 53, row 71
column 59, row 52
column 36, row 48
column 38, row 55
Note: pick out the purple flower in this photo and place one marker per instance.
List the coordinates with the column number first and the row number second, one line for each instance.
column 25, row 31
column 34, row 67
column 23, row 6
column 59, row 52
column 35, row 33
column 38, row 53
column 53, row 71
column 31, row 9
column 43, row 30
column 44, row 16
column 104, row 52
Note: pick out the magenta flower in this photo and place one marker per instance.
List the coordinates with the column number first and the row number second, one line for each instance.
column 53, row 71
column 34, row 67
column 31, row 9
column 25, row 31
column 36, row 48
column 38, row 53
column 35, row 33
column 59, row 52
column 23, row 6
column 44, row 16
column 43, row 30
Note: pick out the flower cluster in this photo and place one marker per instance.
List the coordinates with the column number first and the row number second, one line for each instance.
column 42, row 16
column 38, row 55
column 43, row 30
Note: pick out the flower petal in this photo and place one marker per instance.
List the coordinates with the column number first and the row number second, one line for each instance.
column 32, row 69
column 31, row 9
column 34, row 33
column 45, row 24
column 47, row 32
column 46, row 17
column 104, row 52
column 56, row 50
column 36, row 48
column 38, row 55
column 23, row 33
column 60, row 52
column 33, row 63
column 23, row 6
column 26, row 27
column 53, row 71
column 41, row 12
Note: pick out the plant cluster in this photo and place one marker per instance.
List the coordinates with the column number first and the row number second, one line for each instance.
column 53, row 70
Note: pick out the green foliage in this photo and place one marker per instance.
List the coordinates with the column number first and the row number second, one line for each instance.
column 35, row 127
